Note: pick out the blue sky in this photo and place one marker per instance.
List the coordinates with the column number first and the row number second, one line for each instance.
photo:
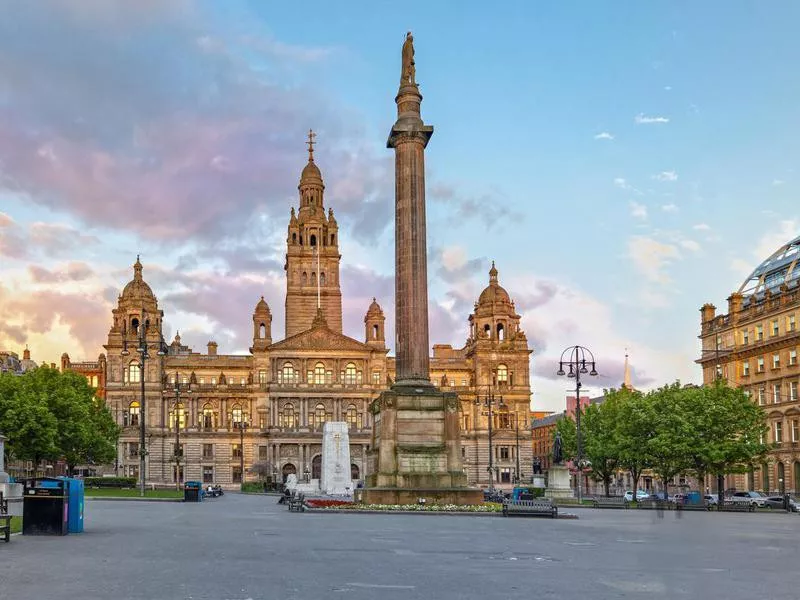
column 622, row 162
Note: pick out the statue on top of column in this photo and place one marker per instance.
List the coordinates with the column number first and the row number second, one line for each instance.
column 409, row 72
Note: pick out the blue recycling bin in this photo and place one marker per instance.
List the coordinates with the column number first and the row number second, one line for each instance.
column 75, row 501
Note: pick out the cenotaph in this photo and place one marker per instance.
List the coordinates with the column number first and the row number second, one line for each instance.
column 335, row 478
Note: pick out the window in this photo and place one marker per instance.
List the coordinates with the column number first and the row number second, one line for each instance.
column 505, row 475
column 208, row 450
column 287, row 416
column 761, row 396
column 133, row 449
column 760, row 363
column 504, row 455
column 452, row 383
column 134, row 373
column 262, row 453
column 746, row 337
column 319, row 374
column 350, row 374
column 791, row 325
column 793, row 391
column 287, row 374
column 502, row 374
column 202, row 380
column 319, row 414
column 177, row 450
column 792, row 357
column 759, row 332
column 262, row 376
column 181, row 417
column 376, row 378
column 776, row 361
column 795, row 430
column 236, row 450
column 463, row 383
column 776, row 393
column 352, row 417
column 213, row 381
column 133, row 413
column 208, row 474
column 305, row 276
column 262, row 331
column 775, row 328
column 236, row 415
column 746, row 368
column 322, row 278
column 208, row 417
column 778, row 432
column 236, row 474
column 243, row 380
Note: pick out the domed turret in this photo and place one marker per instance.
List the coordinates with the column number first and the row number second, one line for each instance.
column 495, row 317
column 262, row 326
column 374, row 325
column 494, row 292
column 137, row 288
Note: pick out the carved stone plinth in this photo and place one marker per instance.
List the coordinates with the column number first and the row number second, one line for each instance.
column 558, row 482
column 416, row 449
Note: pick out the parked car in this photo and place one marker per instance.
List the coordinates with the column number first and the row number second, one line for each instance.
column 711, row 499
column 640, row 495
column 777, row 502
column 753, row 498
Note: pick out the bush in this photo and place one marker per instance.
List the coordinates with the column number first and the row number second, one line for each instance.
column 253, row 486
column 110, row 482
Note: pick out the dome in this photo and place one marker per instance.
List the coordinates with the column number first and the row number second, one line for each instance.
column 262, row 306
column 374, row 308
column 310, row 171
column 781, row 267
column 137, row 288
column 494, row 292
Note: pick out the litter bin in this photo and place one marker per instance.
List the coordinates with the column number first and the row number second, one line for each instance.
column 45, row 507
column 192, row 491
column 75, row 501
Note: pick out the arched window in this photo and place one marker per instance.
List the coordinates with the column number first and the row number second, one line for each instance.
column 301, row 240
column 208, row 416
column 313, row 278
column 501, row 333
column 781, row 477
column 355, row 472
column 181, row 417
column 287, row 416
column 94, row 381
column 352, row 417
column 333, row 239
column 319, row 373
column 135, row 325
column 765, row 478
column 316, row 467
column 236, row 414
column 287, row 374
column 313, row 240
column 294, row 238
column 502, row 374
column 134, row 373
column 350, row 374
column 322, row 278
column 319, row 414
column 133, row 413
column 487, row 329
column 305, row 278
column 375, row 331
column 262, row 331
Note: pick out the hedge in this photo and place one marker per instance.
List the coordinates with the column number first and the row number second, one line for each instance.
column 110, row 482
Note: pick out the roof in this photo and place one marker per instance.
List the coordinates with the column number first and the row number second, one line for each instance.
column 781, row 267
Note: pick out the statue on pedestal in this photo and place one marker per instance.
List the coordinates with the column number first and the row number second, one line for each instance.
column 409, row 71
column 558, row 452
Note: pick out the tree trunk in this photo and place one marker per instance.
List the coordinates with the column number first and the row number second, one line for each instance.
column 607, row 485
column 665, row 481
column 636, row 476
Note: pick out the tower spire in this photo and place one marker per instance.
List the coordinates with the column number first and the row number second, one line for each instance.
column 626, row 381
column 311, row 142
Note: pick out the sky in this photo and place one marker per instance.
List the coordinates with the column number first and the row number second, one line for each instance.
column 622, row 162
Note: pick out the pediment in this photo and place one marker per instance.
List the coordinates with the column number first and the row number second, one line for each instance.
column 320, row 338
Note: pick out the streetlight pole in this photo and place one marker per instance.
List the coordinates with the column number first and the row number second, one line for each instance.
column 489, row 402
column 577, row 359
column 177, row 413
column 516, row 420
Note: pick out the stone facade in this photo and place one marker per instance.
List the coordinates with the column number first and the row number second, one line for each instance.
column 755, row 346
column 271, row 404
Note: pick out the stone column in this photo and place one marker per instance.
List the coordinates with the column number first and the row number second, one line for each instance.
column 409, row 137
column 3, row 475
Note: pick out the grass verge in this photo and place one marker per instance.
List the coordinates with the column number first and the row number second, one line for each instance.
column 16, row 524
column 130, row 493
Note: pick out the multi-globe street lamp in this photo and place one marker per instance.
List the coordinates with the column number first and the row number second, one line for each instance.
column 489, row 401
column 142, row 349
column 580, row 361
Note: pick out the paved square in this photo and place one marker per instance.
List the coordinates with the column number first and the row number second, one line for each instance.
column 239, row 547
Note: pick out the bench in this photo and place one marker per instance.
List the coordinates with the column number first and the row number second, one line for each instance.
column 532, row 508
column 650, row 503
column 5, row 519
column 610, row 502
column 296, row 502
column 729, row 506
column 693, row 506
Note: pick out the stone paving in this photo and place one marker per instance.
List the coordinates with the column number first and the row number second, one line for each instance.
column 240, row 547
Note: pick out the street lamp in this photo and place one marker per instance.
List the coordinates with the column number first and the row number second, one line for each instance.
column 577, row 359
column 241, row 426
column 307, row 474
column 177, row 412
column 143, row 356
column 490, row 401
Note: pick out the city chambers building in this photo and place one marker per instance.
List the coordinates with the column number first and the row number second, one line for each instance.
column 221, row 415
column 755, row 347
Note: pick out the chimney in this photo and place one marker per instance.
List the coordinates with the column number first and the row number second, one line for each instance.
column 707, row 313
column 212, row 348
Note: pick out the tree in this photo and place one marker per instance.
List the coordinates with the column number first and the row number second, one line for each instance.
column 567, row 428
column 670, row 413
column 634, row 429
column 26, row 420
column 600, row 435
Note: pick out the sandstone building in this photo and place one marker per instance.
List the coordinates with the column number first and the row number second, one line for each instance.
column 267, row 408
column 755, row 347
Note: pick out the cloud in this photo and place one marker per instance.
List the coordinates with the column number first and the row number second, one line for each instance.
column 670, row 208
column 73, row 271
column 651, row 257
column 777, row 182
column 638, row 211
column 455, row 267
column 666, row 176
column 701, row 227
column 6, row 220
column 641, row 119
column 690, row 245
column 481, row 207
column 604, row 136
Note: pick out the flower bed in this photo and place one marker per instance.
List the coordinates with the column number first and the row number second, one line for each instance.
column 488, row 507
column 322, row 503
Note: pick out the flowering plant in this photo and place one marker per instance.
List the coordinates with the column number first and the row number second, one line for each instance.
column 486, row 507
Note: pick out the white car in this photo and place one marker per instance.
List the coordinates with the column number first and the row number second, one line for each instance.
column 640, row 495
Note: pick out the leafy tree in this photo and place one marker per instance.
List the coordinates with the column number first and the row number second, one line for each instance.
column 600, row 435
column 670, row 415
column 566, row 427
column 634, row 429
column 26, row 420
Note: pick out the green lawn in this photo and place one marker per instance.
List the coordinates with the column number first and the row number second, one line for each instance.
column 131, row 493
column 16, row 524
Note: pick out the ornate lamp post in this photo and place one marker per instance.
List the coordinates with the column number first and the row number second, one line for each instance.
column 577, row 359
column 177, row 412
column 241, row 426
column 490, row 401
column 142, row 349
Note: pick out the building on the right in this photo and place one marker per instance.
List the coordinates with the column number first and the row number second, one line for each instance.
column 755, row 347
